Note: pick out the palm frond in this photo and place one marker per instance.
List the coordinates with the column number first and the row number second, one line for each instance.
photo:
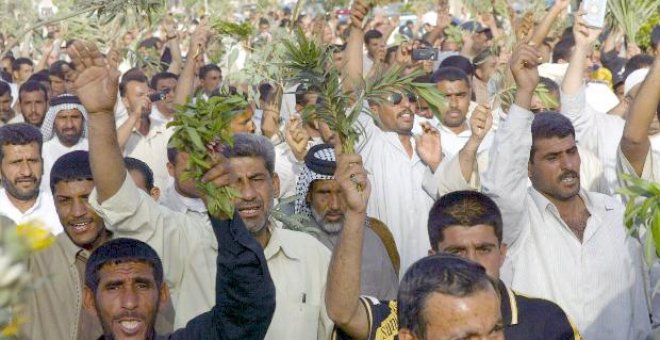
column 630, row 15
column 305, row 58
column 642, row 214
column 239, row 32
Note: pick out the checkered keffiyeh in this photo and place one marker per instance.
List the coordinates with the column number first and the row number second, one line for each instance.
column 320, row 163
column 62, row 102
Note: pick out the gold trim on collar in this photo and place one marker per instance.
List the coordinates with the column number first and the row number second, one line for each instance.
column 514, row 306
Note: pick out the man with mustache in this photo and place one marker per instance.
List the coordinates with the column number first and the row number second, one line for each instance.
column 319, row 198
column 64, row 130
column 6, row 99
column 566, row 244
column 21, row 170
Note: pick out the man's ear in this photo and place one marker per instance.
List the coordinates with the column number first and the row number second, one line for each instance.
column 503, row 250
column 170, row 169
column 89, row 301
column 276, row 184
column 155, row 193
column 164, row 296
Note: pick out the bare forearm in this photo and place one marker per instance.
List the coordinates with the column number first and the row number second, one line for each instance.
column 574, row 78
column 543, row 28
column 635, row 142
column 177, row 60
column 105, row 155
column 124, row 131
column 186, row 83
column 342, row 296
column 467, row 157
column 353, row 69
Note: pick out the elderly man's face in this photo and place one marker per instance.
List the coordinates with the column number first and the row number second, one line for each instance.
column 327, row 204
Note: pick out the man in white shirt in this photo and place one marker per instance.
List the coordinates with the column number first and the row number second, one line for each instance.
column 139, row 135
column 298, row 263
column 565, row 244
column 21, row 170
column 33, row 103
column 163, row 110
column 636, row 155
column 390, row 155
column 64, row 130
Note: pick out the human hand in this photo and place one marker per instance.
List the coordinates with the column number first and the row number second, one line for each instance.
column 561, row 4
column 403, row 54
column 481, row 122
column 169, row 26
column 221, row 174
column 585, row 36
column 359, row 11
column 429, row 146
column 296, row 137
column 351, row 176
column 524, row 67
column 94, row 81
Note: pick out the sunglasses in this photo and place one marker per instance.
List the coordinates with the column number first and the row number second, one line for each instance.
column 396, row 98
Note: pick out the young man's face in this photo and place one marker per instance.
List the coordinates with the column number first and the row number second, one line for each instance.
column 477, row 243
column 33, row 107
column 327, row 204
column 135, row 92
column 23, row 73
column 68, row 126
column 243, row 122
column 258, row 189
column 376, row 49
column 167, row 104
column 127, row 299
column 185, row 188
column 211, row 81
column 21, row 170
column 457, row 94
column 555, row 167
column 81, row 223
column 57, row 85
column 396, row 114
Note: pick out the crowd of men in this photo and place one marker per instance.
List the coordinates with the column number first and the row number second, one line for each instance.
column 484, row 221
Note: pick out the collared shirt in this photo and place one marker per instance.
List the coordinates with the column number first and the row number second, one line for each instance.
column 54, row 149
column 42, row 211
column 151, row 149
column 157, row 117
column 174, row 201
column 524, row 318
column 297, row 262
column 599, row 282
column 597, row 131
column 397, row 197
column 54, row 309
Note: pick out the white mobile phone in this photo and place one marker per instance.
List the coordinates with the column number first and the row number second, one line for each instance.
column 594, row 12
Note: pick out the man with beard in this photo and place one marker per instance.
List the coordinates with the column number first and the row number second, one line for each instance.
column 67, row 118
column 320, row 199
column 54, row 310
column 566, row 244
column 6, row 111
column 21, row 167
column 297, row 262
column 33, row 103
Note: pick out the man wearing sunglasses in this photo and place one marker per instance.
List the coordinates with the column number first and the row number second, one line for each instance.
column 390, row 155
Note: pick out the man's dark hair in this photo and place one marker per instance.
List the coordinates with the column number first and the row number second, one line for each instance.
column 4, row 88
column 449, row 73
column 121, row 250
column 372, row 34
column 136, row 76
column 19, row 134
column 551, row 85
column 16, row 64
column 264, row 21
column 6, row 76
column 251, row 145
column 302, row 91
column 134, row 164
column 32, row 86
column 563, row 49
column 57, row 69
column 72, row 166
column 446, row 274
column 41, row 76
column 549, row 125
column 161, row 76
column 459, row 62
column 637, row 62
column 153, row 42
column 462, row 208
column 204, row 70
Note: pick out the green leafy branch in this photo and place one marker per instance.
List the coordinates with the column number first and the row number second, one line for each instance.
column 201, row 129
column 642, row 215
column 239, row 32
column 630, row 15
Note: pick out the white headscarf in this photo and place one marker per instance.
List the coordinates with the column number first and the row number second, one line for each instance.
column 634, row 79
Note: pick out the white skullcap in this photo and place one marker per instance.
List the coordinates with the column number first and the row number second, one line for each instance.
column 634, row 79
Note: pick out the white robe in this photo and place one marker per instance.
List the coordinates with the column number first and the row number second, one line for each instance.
column 51, row 151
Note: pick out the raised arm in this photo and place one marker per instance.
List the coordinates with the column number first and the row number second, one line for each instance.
column 96, row 85
column 585, row 37
column 635, row 142
column 173, row 43
column 506, row 178
column 186, row 86
column 355, row 45
column 541, row 31
column 480, row 123
column 342, row 296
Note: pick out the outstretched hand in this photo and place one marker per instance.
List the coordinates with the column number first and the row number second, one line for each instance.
column 524, row 67
column 481, row 121
column 352, row 178
column 429, row 146
column 94, row 81
column 359, row 11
